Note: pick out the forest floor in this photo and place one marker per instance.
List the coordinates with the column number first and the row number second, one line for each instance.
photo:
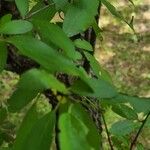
column 125, row 56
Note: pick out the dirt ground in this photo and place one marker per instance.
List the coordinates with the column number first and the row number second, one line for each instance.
column 125, row 57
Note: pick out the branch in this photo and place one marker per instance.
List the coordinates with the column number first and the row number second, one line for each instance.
column 39, row 10
column 139, row 132
column 107, row 132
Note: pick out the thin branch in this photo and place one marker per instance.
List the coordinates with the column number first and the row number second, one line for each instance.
column 57, row 131
column 107, row 132
column 139, row 132
column 34, row 13
column 60, row 16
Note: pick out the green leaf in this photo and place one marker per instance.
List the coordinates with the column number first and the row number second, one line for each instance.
column 112, row 9
column 125, row 111
column 81, row 87
column 6, row 18
column 97, row 69
column 42, row 12
column 73, row 131
column 41, row 134
column 53, row 34
column 35, row 133
column 114, row 12
column 93, row 63
column 83, row 44
column 139, row 146
column 123, row 127
column 97, row 30
column 43, row 54
column 101, row 88
column 61, row 4
column 79, row 16
column 28, row 122
column 3, row 55
column 31, row 83
column 48, row 58
column 23, row 6
column 139, row 104
column 16, row 27
column 105, row 75
column 93, row 135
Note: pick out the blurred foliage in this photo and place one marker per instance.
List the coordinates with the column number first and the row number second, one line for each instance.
column 125, row 56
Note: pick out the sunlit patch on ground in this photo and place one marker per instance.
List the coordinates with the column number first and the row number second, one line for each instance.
column 126, row 58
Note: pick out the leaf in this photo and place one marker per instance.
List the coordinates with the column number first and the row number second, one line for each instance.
column 81, row 87
column 114, row 12
column 79, row 16
column 73, row 131
column 97, row 30
column 123, row 127
column 101, row 88
column 42, row 12
column 31, row 83
column 48, row 58
column 93, row 63
column 112, row 9
column 28, row 122
column 35, row 133
column 97, row 69
column 139, row 146
column 120, row 143
column 125, row 111
column 16, row 27
column 53, row 34
column 6, row 18
column 3, row 55
column 61, row 4
column 41, row 134
column 139, row 104
column 83, row 44
column 23, row 6
column 105, row 75
column 43, row 54
column 93, row 136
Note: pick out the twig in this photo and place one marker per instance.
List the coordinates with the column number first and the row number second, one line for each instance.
column 57, row 131
column 107, row 132
column 138, row 133
column 60, row 16
column 34, row 13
